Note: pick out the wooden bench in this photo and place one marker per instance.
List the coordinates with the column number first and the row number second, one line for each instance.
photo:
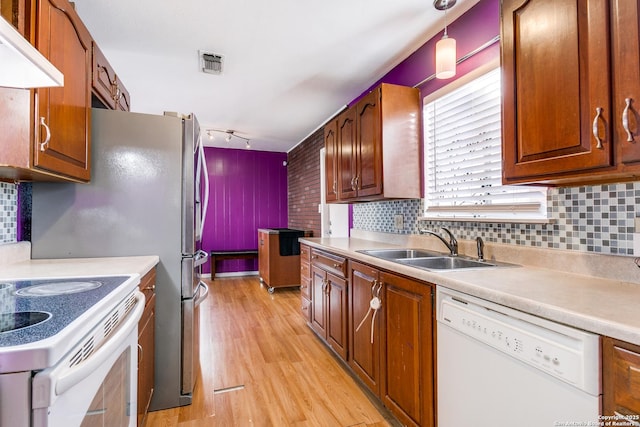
column 220, row 255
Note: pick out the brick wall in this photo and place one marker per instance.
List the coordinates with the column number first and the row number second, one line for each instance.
column 303, row 176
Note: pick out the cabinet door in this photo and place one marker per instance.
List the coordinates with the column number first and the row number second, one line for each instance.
column 621, row 379
column 62, row 142
column 364, row 346
column 331, row 160
column 122, row 96
column 555, row 88
column 369, row 145
column 16, row 12
column 347, row 155
column 318, row 301
column 337, row 304
column 263, row 256
column 407, row 382
column 626, row 84
column 146, row 363
column 103, row 78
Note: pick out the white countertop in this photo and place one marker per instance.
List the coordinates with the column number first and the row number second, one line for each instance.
column 601, row 305
column 15, row 263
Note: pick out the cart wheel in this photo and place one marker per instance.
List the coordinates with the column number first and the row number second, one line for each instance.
column 261, row 280
column 271, row 289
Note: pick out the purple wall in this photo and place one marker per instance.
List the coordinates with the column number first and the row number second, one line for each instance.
column 248, row 191
column 474, row 28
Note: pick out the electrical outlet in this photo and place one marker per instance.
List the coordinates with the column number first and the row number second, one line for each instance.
column 398, row 221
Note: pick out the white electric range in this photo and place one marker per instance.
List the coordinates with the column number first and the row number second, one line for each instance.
column 62, row 342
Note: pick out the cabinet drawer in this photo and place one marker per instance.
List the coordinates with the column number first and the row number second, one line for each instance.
column 329, row 262
column 305, row 286
column 306, row 309
column 621, row 378
column 305, row 253
column 305, row 270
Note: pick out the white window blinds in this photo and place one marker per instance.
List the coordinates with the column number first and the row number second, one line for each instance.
column 463, row 158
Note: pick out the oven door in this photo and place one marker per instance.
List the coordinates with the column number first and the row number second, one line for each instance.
column 98, row 391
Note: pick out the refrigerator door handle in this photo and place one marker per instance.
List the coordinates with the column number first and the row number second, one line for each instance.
column 200, row 257
column 204, row 206
column 201, row 295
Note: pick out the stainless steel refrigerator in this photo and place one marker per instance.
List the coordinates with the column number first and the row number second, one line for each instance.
column 146, row 197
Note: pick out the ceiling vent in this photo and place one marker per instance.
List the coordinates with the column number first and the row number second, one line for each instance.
column 211, row 63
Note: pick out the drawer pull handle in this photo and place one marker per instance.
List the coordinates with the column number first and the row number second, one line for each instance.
column 596, row 134
column 625, row 119
column 45, row 144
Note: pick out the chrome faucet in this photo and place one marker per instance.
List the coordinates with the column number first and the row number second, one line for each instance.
column 452, row 244
column 480, row 244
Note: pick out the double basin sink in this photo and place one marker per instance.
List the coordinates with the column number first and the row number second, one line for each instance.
column 428, row 260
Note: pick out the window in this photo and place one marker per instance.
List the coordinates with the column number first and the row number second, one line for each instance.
column 463, row 158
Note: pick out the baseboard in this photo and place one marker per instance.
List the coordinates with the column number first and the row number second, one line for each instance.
column 232, row 274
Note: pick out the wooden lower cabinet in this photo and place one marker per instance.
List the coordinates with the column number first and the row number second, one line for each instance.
column 146, row 346
column 329, row 309
column 621, row 380
column 305, row 282
column 365, row 345
column 395, row 361
column 408, row 384
column 393, row 354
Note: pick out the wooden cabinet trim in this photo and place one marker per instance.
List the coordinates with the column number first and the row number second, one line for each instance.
column 620, row 378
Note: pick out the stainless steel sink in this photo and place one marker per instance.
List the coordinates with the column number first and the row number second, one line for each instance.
column 431, row 260
column 445, row 263
column 397, row 254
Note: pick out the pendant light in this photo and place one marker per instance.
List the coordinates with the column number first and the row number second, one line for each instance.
column 445, row 47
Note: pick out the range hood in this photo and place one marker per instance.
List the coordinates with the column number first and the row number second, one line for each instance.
column 22, row 65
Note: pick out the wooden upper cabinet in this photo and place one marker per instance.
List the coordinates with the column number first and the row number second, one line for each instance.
column 378, row 147
column 63, row 115
column 625, row 27
column 347, row 155
column 16, row 12
column 331, row 159
column 368, row 178
column 106, row 84
column 556, row 100
column 45, row 133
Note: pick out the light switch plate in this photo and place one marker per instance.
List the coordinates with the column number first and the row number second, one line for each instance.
column 636, row 244
column 398, row 221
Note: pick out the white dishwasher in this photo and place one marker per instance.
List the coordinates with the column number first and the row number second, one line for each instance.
column 499, row 367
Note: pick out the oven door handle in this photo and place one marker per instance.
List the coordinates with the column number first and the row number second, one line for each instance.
column 83, row 370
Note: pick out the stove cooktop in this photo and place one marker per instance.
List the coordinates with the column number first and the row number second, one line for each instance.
column 40, row 319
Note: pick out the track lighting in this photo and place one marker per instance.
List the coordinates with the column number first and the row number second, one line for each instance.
column 229, row 136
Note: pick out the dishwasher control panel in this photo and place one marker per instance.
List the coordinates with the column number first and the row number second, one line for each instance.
column 569, row 354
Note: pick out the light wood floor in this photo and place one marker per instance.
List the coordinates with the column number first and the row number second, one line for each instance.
column 262, row 366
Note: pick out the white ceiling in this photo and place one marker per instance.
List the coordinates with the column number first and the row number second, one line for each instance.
column 289, row 65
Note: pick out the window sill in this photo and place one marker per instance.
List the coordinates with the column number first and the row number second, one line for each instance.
column 452, row 218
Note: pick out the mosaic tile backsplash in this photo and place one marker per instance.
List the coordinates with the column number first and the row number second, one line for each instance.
column 589, row 219
column 8, row 212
